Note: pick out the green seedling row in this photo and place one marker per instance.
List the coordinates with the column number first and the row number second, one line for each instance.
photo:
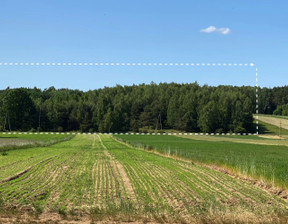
column 102, row 177
column 267, row 163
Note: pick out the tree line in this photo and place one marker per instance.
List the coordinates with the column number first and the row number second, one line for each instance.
column 281, row 110
column 185, row 107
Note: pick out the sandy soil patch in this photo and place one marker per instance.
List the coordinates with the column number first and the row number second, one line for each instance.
column 271, row 137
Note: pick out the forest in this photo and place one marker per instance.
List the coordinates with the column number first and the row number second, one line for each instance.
column 184, row 107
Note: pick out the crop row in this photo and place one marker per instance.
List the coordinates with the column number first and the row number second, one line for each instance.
column 75, row 175
column 175, row 185
column 267, row 163
column 98, row 175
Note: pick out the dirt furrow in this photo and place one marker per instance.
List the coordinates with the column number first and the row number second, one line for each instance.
column 175, row 186
column 63, row 176
column 18, row 175
column 127, row 183
column 212, row 186
column 98, row 185
column 115, row 182
column 144, row 187
column 175, row 199
column 46, row 180
column 94, row 181
column 225, row 184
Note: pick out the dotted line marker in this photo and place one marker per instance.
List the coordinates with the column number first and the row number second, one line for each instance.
column 257, row 103
column 122, row 64
column 125, row 133
column 141, row 64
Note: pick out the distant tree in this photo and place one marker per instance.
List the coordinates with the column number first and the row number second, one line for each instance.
column 172, row 113
column 281, row 110
column 185, row 107
column 108, row 122
column 209, row 118
column 19, row 109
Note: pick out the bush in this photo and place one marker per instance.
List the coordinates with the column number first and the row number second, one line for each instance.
column 60, row 129
column 4, row 154
column 220, row 131
column 278, row 111
column 281, row 110
column 240, row 129
column 143, row 130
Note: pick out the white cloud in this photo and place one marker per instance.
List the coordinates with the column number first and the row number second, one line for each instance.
column 212, row 29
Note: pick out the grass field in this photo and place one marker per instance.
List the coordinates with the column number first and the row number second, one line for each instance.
column 94, row 177
column 271, row 124
column 266, row 139
column 265, row 162
column 270, row 129
column 14, row 140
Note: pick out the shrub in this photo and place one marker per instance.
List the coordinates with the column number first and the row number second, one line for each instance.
column 60, row 129
column 240, row 129
column 220, row 130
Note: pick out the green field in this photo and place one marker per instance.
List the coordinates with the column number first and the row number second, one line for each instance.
column 94, row 177
column 265, row 162
column 15, row 140
column 271, row 129
column 273, row 125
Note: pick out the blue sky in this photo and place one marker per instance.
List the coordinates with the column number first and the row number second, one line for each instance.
column 143, row 31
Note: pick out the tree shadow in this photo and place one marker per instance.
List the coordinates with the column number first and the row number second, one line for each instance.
column 263, row 129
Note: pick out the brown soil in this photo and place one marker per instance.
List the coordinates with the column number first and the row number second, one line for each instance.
column 127, row 183
column 240, row 217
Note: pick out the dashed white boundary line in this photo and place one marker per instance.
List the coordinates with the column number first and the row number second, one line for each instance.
column 143, row 65
column 121, row 133
column 124, row 64
column 257, row 101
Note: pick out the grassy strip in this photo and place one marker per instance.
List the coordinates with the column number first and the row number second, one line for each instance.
column 35, row 136
column 16, row 141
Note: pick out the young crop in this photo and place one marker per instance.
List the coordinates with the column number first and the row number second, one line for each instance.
column 264, row 162
column 110, row 180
